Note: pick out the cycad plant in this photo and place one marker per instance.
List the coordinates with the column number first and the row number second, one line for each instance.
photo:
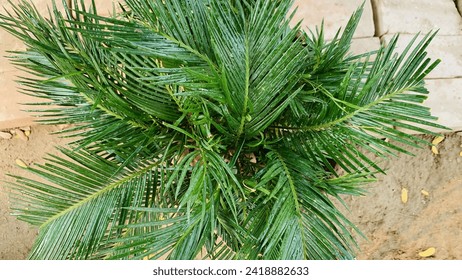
column 207, row 129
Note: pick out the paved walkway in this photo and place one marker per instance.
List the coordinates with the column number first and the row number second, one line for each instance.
column 381, row 19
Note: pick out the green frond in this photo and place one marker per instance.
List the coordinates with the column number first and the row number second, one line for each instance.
column 83, row 199
column 362, row 106
column 293, row 217
column 204, row 214
column 256, row 56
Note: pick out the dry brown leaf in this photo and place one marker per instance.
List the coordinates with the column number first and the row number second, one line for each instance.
column 428, row 253
column 21, row 163
column 438, row 140
column 404, row 195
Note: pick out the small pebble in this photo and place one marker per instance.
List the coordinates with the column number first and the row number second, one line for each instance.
column 21, row 135
column 63, row 126
column 424, row 192
column 5, row 135
column 253, row 158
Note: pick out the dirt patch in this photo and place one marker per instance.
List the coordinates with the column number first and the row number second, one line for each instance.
column 395, row 230
column 432, row 215
column 16, row 237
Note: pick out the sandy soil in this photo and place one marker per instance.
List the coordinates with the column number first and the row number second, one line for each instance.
column 397, row 230
column 16, row 237
column 394, row 230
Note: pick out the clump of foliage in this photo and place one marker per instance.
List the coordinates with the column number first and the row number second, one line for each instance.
column 207, row 129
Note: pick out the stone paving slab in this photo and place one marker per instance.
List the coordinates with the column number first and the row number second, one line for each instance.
column 444, row 82
column 364, row 45
column 445, row 102
column 414, row 16
column 335, row 14
column 445, row 98
column 11, row 114
column 8, row 43
column 11, row 111
column 446, row 48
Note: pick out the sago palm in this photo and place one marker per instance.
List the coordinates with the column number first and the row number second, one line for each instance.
column 208, row 129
